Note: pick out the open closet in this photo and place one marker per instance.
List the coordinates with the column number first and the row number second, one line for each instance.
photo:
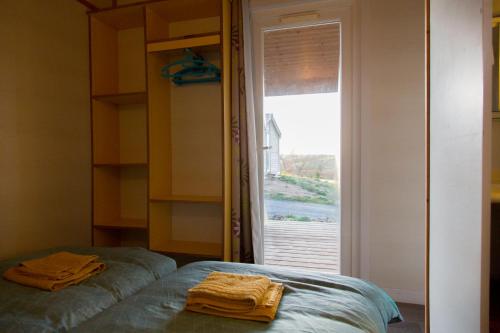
column 160, row 133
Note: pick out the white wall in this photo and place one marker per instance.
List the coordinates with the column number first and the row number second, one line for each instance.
column 44, row 126
column 390, row 69
column 460, row 124
column 393, row 146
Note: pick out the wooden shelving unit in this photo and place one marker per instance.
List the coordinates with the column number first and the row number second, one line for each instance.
column 194, row 42
column 123, row 98
column 160, row 152
column 119, row 127
column 189, row 198
column 185, row 132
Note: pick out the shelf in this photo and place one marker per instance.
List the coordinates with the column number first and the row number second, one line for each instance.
column 121, row 164
column 184, row 42
column 123, row 99
column 123, row 224
column 189, row 198
column 193, row 248
column 495, row 114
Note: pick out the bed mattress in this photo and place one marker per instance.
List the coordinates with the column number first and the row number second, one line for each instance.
column 312, row 302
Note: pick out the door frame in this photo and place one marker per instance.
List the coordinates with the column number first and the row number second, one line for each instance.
column 265, row 15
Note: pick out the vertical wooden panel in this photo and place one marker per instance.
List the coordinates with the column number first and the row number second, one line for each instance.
column 104, row 46
column 160, row 225
column 196, row 140
column 133, row 195
column 157, row 27
column 106, row 195
column 131, row 63
column 133, row 133
column 196, row 222
column 106, row 237
column 160, row 184
column 106, row 132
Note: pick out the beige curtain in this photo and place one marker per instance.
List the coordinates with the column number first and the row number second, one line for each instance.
column 245, row 205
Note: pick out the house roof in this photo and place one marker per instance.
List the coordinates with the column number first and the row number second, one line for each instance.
column 271, row 121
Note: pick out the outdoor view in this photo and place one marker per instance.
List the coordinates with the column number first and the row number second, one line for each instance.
column 302, row 150
column 302, row 199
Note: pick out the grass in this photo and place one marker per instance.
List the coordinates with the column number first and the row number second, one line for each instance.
column 312, row 199
column 322, row 191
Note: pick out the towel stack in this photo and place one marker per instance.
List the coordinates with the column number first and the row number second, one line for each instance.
column 56, row 271
column 252, row 297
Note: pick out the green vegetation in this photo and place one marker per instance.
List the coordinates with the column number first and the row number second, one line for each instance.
column 322, row 191
column 311, row 199
column 297, row 218
column 312, row 166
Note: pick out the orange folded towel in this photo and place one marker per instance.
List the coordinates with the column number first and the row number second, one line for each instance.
column 55, row 271
column 252, row 297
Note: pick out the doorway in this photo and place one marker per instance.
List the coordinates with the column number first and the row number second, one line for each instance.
column 293, row 92
column 302, row 147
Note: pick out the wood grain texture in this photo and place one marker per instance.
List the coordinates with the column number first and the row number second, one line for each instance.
column 106, row 133
column 308, row 245
column 122, row 18
column 302, row 60
column 104, row 47
column 123, row 98
column 173, row 11
column 160, row 184
column 183, row 43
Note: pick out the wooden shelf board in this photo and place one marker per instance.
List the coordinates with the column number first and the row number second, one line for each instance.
column 495, row 114
column 182, row 43
column 121, row 18
column 123, row 224
column 192, row 248
column 140, row 97
column 121, row 164
column 189, row 198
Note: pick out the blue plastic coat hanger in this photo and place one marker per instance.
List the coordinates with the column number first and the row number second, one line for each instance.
column 194, row 69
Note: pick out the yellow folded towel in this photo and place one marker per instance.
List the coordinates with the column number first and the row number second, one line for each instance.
column 242, row 291
column 236, row 296
column 55, row 271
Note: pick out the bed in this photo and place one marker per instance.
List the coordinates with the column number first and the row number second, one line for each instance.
column 142, row 291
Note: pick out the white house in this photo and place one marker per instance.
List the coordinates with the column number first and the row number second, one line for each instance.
column 272, row 135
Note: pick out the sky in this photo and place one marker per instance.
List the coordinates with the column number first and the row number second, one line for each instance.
column 309, row 124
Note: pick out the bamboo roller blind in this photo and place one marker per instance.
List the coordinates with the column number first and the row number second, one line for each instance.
column 302, row 60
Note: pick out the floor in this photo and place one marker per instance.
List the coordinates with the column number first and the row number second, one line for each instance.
column 414, row 316
column 309, row 245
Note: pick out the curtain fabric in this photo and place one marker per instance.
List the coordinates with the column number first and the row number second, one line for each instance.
column 246, row 213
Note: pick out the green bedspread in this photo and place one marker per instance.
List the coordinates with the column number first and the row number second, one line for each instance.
column 312, row 302
column 25, row 309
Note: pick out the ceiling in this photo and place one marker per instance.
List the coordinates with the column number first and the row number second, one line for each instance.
column 302, row 60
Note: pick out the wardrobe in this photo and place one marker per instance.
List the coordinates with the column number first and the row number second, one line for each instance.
column 161, row 152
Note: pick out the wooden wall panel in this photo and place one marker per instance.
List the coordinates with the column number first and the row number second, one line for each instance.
column 157, row 27
column 131, row 62
column 106, row 133
column 197, row 222
column 133, row 193
column 106, row 195
column 104, row 47
column 196, row 140
column 160, row 225
column 159, row 128
column 133, row 133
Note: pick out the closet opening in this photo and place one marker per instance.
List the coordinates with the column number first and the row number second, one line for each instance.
column 302, row 146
